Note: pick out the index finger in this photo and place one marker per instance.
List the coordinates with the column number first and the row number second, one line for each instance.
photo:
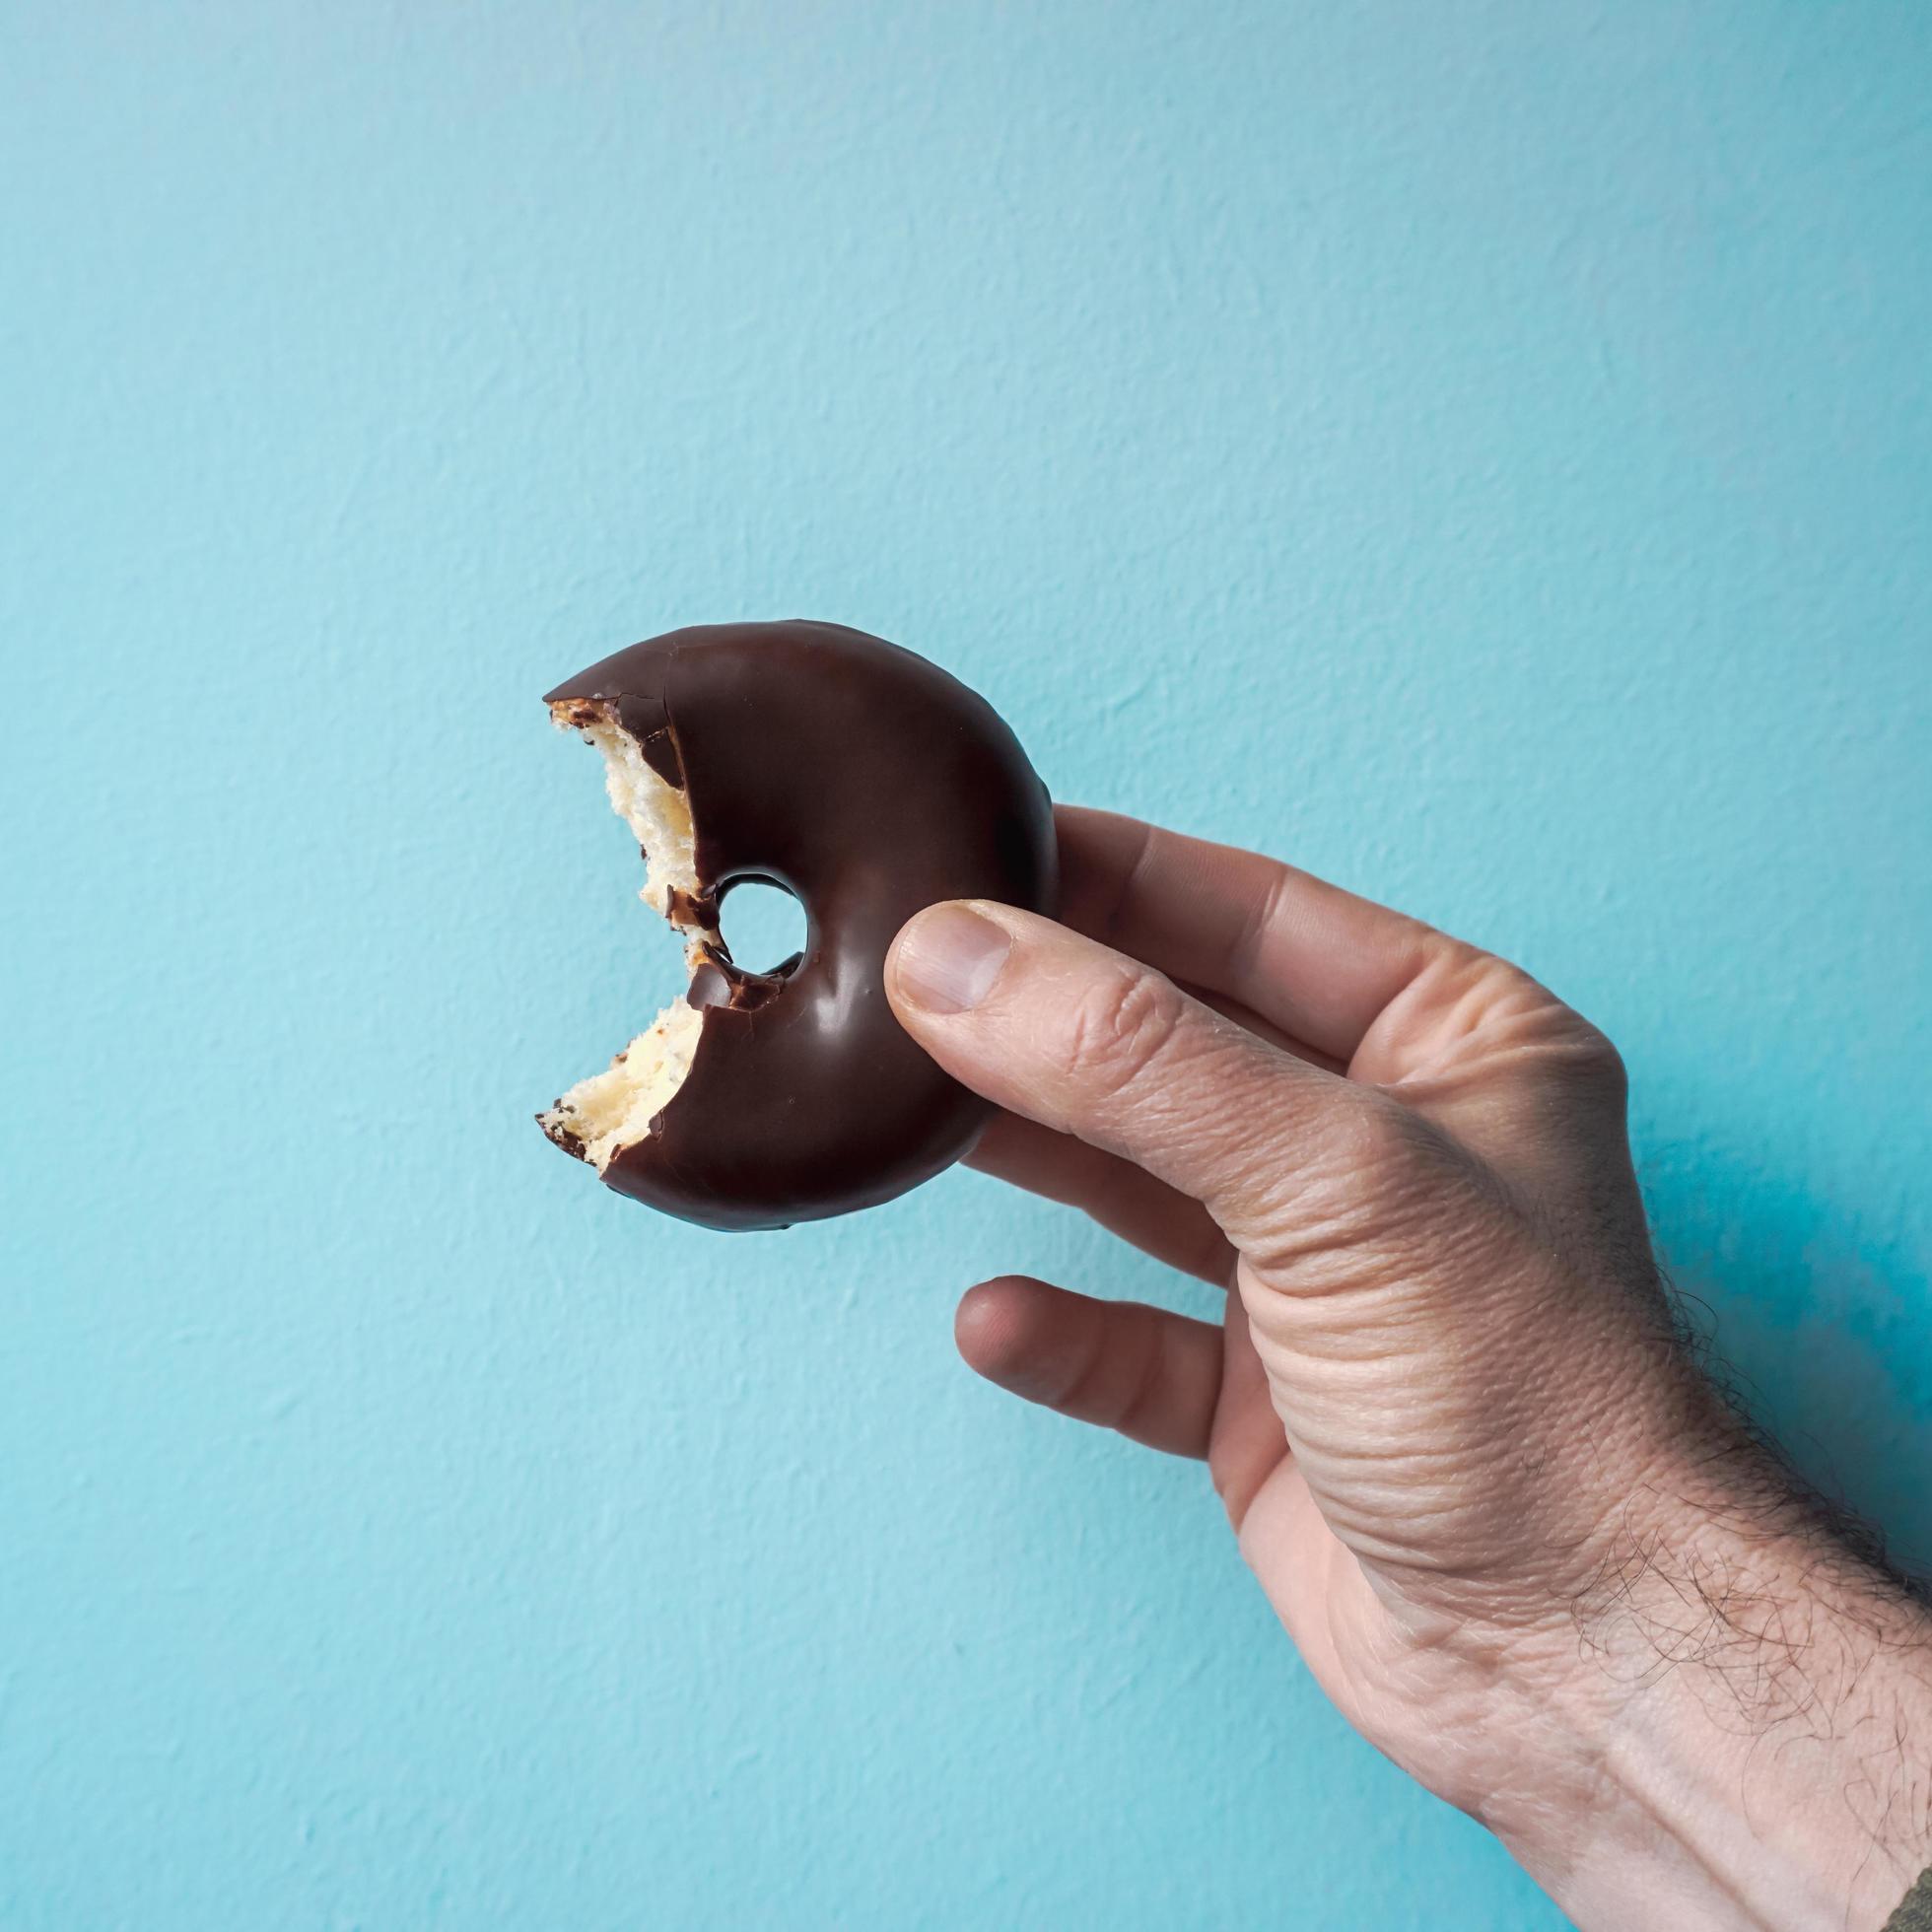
column 1316, row 961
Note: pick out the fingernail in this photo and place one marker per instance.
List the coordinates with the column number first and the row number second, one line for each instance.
column 949, row 958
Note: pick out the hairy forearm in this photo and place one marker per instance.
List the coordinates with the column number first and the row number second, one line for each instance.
column 1747, row 1720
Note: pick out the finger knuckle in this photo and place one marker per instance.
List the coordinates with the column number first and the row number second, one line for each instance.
column 1139, row 1394
column 1596, row 1061
column 1122, row 1025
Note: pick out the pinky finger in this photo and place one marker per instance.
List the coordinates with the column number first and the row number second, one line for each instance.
column 1123, row 1365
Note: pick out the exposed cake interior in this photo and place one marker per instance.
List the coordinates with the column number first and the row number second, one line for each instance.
column 613, row 1110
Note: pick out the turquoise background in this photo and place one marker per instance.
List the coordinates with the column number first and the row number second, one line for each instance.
column 1482, row 452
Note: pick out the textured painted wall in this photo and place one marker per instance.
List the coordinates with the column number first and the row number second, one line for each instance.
column 1482, row 452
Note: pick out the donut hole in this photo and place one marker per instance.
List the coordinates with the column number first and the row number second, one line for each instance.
column 763, row 924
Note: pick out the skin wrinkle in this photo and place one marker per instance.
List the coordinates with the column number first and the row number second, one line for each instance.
column 1257, row 922
column 1098, row 1366
column 1122, row 1026
column 1143, row 1026
column 1142, row 1392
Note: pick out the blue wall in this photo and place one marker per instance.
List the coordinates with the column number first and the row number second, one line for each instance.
column 1483, row 452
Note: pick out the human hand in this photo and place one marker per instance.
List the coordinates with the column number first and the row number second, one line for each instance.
column 1518, row 1537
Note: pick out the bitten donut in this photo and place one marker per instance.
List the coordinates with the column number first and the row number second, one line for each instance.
column 867, row 782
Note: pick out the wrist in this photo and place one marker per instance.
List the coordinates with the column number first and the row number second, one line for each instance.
column 1740, row 1734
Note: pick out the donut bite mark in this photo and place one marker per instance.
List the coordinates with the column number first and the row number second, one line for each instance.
column 867, row 782
column 609, row 1111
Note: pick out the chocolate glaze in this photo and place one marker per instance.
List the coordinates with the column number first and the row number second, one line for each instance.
column 869, row 783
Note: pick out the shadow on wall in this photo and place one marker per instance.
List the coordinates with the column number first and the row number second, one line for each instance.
column 1832, row 1352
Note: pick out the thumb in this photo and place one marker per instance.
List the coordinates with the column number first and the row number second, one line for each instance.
column 1095, row 1044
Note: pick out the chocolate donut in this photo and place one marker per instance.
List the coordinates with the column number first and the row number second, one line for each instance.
column 867, row 782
